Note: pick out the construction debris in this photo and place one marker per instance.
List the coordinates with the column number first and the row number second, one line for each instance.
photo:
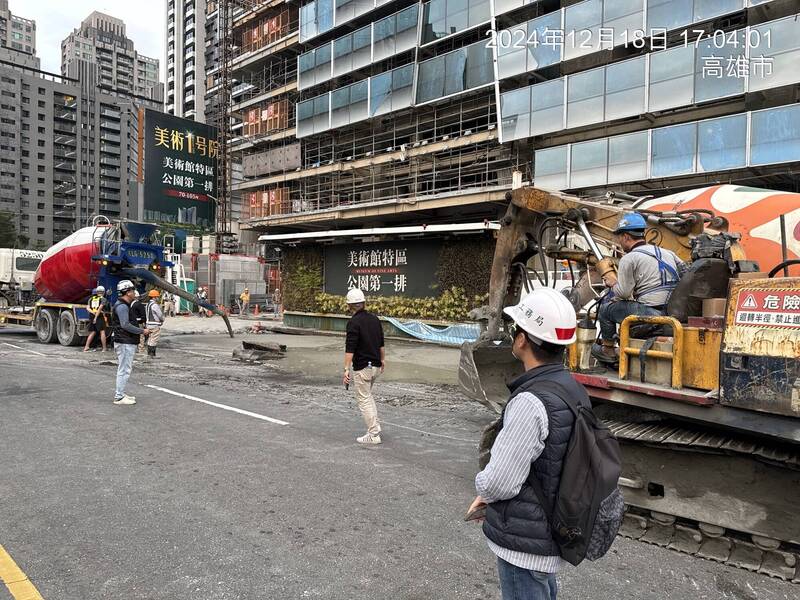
column 259, row 351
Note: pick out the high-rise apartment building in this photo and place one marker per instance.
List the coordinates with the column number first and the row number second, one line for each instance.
column 16, row 33
column 101, row 41
column 186, row 46
column 67, row 152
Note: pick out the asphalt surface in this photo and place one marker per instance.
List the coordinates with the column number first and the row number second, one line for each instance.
column 174, row 498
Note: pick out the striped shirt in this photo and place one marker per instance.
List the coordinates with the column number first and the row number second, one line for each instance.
column 518, row 445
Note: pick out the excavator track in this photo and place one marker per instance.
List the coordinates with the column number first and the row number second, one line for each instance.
column 705, row 510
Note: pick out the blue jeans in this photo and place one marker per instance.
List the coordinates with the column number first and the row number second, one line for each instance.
column 613, row 313
column 125, row 354
column 522, row 584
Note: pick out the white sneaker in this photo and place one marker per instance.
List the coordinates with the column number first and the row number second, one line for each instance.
column 125, row 400
column 369, row 439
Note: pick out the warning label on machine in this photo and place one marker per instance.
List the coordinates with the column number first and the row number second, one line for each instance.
column 768, row 308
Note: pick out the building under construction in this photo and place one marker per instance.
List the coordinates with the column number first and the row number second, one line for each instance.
column 354, row 113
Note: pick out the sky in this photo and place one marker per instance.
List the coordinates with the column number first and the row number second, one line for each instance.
column 145, row 21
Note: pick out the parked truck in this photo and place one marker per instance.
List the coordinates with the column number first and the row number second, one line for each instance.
column 17, row 268
column 102, row 254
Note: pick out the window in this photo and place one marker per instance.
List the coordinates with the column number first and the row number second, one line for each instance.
column 585, row 98
column 582, row 24
column 589, row 163
column 715, row 69
column 674, row 149
column 441, row 18
column 625, row 87
column 516, row 108
column 721, row 143
column 671, row 78
column 550, row 168
column 775, row 135
column 627, row 157
column 783, row 48
column 547, row 107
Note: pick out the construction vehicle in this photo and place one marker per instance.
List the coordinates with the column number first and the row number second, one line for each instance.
column 102, row 254
column 706, row 408
column 17, row 268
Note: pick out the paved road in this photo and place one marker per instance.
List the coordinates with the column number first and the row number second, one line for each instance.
column 177, row 499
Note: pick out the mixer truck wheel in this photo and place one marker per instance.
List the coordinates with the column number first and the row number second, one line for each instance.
column 47, row 326
column 68, row 329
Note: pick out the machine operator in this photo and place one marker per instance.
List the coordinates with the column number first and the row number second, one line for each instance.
column 642, row 285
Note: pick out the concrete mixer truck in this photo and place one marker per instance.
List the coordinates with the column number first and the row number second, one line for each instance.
column 103, row 254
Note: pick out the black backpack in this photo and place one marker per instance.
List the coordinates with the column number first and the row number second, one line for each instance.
column 589, row 506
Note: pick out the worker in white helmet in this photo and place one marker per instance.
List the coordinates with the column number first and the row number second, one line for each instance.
column 97, row 307
column 532, row 440
column 365, row 354
column 126, row 338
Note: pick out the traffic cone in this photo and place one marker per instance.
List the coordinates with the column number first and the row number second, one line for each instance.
column 255, row 310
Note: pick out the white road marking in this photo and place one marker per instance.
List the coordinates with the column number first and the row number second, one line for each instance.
column 24, row 349
column 218, row 405
column 441, row 435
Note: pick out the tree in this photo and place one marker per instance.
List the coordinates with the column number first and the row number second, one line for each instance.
column 8, row 231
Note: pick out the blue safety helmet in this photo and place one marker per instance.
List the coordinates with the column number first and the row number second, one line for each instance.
column 632, row 223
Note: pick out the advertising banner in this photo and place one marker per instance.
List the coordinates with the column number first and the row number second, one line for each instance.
column 383, row 269
column 180, row 170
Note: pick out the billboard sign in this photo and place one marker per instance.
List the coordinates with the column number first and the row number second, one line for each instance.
column 383, row 269
column 180, row 169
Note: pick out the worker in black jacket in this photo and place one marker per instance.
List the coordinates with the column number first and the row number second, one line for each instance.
column 364, row 352
column 139, row 317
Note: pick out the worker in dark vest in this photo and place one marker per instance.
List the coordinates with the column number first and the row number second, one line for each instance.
column 364, row 352
column 644, row 281
column 126, row 338
column 139, row 316
column 535, row 430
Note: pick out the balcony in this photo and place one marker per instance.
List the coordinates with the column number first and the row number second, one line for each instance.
column 113, row 184
column 110, row 125
column 64, row 154
column 109, row 112
column 65, row 114
column 113, row 139
column 65, row 127
column 109, row 161
column 65, row 165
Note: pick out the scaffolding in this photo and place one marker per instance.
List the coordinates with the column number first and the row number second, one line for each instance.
column 427, row 151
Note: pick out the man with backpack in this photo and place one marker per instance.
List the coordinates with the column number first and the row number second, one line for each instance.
column 644, row 281
column 126, row 338
column 547, row 433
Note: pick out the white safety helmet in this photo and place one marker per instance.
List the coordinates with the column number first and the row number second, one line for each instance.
column 124, row 285
column 355, row 296
column 99, row 290
column 546, row 315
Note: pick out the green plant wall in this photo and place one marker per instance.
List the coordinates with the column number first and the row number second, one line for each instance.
column 462, row 283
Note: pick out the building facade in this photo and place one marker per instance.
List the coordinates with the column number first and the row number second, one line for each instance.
column 16, row 33
column 186, row 47
column 352, row 114
column 101, row 41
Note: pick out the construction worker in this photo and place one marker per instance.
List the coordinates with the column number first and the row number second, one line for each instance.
column 126, row 337
column 365, row 353
column 169, row 304
column 532, row 441
column 155, row 319
column 276, row 301
column 139, row 316
column 202, row 294
column 644, row 281
column 244, row 302
column 96, row 306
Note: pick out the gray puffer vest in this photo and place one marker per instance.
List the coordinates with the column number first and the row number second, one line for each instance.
column 520, row 523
